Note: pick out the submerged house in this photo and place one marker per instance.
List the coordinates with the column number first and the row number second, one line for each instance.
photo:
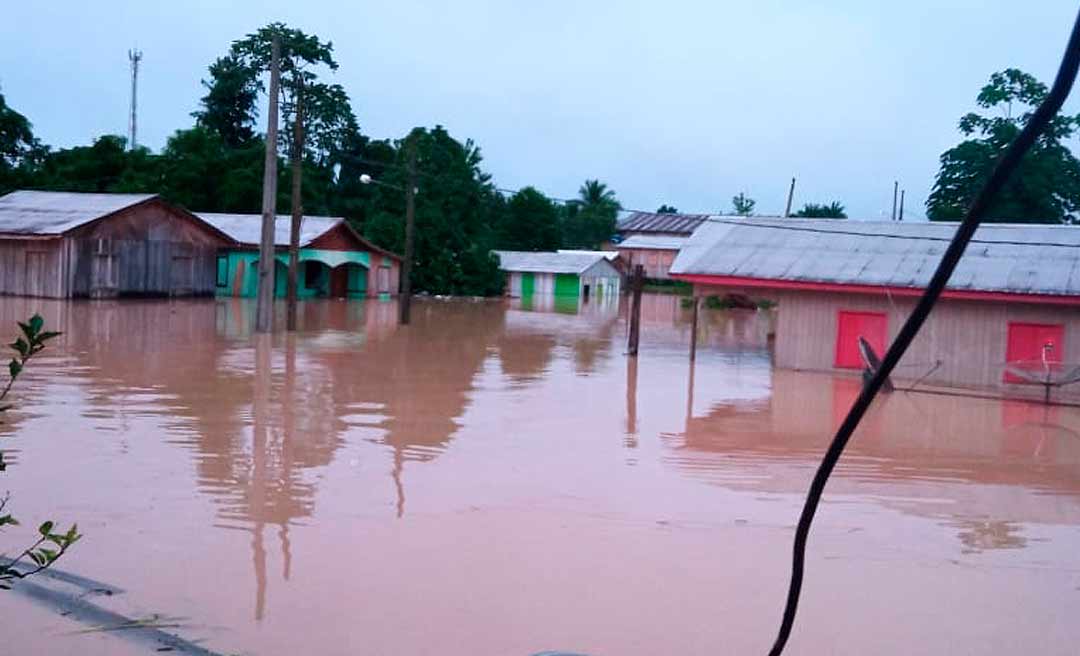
column 335, row 261
column 653, row 240
column 65, row 244
column 570, row 275
column 1009, row 316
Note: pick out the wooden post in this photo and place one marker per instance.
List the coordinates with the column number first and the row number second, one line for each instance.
column 901, row 215
column 264, row 306
column 635, row 310
column 410, row 233
column 895, row 186
column 790, row 195
column 297, row 165
column 693, row 329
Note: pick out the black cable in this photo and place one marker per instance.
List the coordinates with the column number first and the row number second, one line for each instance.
column 1002, row 170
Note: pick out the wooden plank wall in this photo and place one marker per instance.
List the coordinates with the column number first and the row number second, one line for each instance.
column 32, row 267
column 113, row 267
column 969, row 337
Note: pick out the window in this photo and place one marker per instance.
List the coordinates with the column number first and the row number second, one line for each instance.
column 222, row 271
column 850, row 326
column 1032, row 344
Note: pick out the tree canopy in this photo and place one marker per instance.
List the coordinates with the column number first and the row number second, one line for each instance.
column 743, row 205
column 834, row 210
column 1046, row 186
column 667, row 209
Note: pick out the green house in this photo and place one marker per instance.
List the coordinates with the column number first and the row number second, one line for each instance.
column 335, row 261
column 573, row 274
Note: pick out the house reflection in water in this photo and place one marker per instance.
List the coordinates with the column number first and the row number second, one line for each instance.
column 983, row 466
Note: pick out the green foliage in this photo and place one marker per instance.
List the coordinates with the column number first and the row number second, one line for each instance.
column 229, row 107
column 49, row 545
column 667, row 209
column 833, row 210
column 1045, row 189
column 589, row 220
column 742, row 204
column 531, row 223
column 20, row 151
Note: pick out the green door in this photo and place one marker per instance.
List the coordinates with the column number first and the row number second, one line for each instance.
column 566, row 284
column 528, row 283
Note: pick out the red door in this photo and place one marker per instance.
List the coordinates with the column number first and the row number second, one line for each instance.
column 1028, row 342
column 850, row 326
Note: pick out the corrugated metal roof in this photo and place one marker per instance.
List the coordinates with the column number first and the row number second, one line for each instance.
column 651, row 222
column 548, row 262
column 1013, row 258
column 657, row 242
column 247, row 228
column 608, row 255
column 56, row 212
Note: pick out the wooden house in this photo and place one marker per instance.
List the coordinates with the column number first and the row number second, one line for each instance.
column 653, row 240
column 335, row 261
column 1010, row 314
column 571, row 274
column 63, row 245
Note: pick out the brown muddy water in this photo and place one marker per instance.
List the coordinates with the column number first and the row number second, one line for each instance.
column 499, row 480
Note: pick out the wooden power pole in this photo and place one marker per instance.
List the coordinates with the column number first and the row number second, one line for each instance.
column 635, row 310
column 790, row 195
column 895, row 186
column 264, row 307
column 410, row 232
column 297, row 165
column 900, row 216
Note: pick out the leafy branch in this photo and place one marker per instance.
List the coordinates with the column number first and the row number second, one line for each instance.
column 49, row 545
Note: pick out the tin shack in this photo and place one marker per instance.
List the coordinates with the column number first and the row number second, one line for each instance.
column 569, row 275
column 1009, row 318
column 66, row 244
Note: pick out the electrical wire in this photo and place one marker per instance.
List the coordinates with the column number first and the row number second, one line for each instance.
column 1004, row 168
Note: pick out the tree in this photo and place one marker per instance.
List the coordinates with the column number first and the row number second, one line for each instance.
column 589, row 220
column 531, row 223
column 833, row 210
column 1045, row 188
column 667, row 209
column 458, row 213
column 743, row 205
column 230, row 105
column 105, row 166
column 20, row 151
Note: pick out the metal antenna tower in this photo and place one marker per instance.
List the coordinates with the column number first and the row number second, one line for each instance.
column 134, row 56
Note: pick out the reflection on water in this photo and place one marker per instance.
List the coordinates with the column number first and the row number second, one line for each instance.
column 492, row 457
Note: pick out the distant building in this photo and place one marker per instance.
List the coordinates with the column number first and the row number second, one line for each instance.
column 335, row 261
column 64, row 244
column 578, row 275
column 1012, row 307
column 653, row 240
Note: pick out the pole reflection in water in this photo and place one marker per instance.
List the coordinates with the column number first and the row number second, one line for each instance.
column 235, row 457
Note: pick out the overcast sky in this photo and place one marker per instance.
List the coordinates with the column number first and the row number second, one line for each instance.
column 685, row 102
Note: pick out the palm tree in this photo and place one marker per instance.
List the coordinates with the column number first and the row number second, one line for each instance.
column 591, row 219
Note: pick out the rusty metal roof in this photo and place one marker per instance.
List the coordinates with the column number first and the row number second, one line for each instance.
column 652, row 222
column 56, row 212
column 246, row 229
column 550, row 262
column 654, row 242
column 1011, row 258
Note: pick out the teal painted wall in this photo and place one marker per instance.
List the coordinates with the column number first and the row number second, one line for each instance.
column 236, row 263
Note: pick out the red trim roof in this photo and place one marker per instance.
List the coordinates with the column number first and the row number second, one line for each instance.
column 878, row 290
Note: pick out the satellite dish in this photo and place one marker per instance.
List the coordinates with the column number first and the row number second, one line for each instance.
column 872, row 363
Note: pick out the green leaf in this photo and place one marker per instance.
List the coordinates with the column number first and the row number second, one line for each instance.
column 36, row 323
column 37, row 558
column 14, row 367
column 8, row 519
column 48, row 554
column 27, row 330
column 48, row 335
column 45, row 528
column 21, row 346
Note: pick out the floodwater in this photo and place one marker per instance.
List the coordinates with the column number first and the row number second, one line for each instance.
column 502, row 480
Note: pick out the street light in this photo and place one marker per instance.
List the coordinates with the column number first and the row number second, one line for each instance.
column 410, row 229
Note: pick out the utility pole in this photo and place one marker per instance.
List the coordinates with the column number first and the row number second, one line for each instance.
column 410, row 232
column 264, row 307
column 297, row 156
column 637, row 282
column 134, row 56
column 895, row 186
column 790, row 195
column 900, row 217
